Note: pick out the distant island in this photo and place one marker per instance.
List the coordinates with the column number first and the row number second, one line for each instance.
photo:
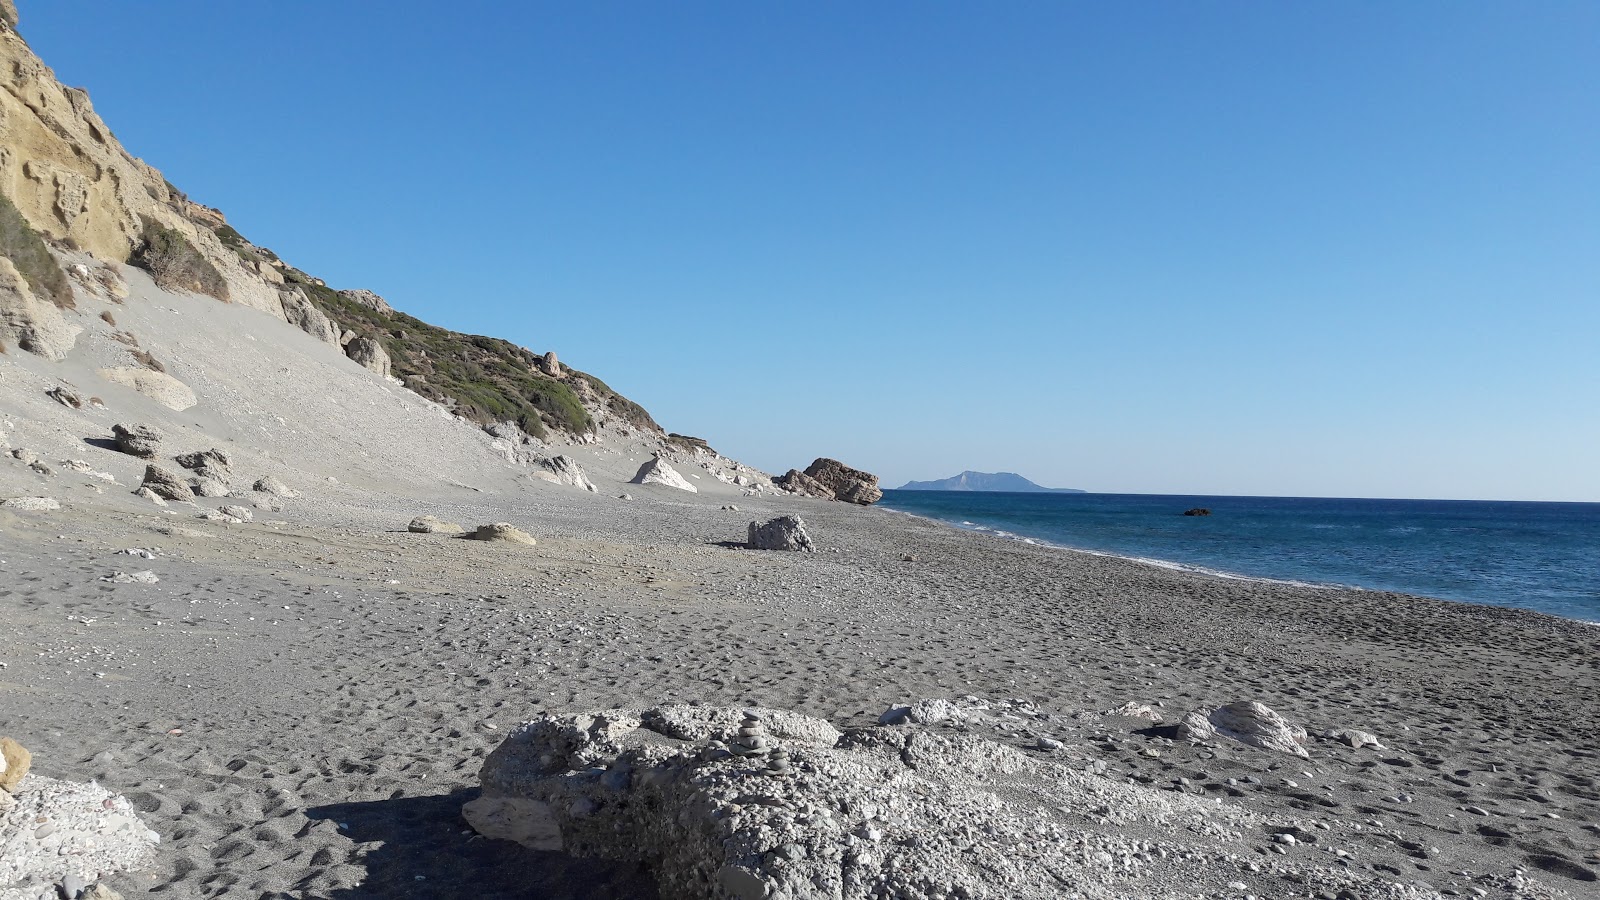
column 985, row 481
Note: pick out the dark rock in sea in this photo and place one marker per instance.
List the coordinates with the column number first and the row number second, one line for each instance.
column 1197, row 511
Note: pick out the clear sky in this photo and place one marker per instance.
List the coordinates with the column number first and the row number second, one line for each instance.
column 1347, row 249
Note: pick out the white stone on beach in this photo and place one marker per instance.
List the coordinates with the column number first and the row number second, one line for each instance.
column 1248, row 722
column 782, row 533
column 433, row 525
column 656, row 471
column 503, row 532
column 562, row 470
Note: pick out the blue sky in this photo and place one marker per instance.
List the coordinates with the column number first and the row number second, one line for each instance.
column 1336, row 249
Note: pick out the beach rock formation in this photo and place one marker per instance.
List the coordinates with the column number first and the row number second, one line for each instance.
column 563, row 470
column 656, row 471
column 433, row 525
column 1248, row 722
column 504, row 532
column 782, row 533
column 143, row 441
column 214, row 459
column 30, row 322
column 833, row 480
column 797, row 482
column 166, row 484
column 753, row 808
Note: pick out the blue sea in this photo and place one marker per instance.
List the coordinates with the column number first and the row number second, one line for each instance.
column 1539, row 556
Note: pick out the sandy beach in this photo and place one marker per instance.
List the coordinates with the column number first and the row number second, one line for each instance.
column 300, row 706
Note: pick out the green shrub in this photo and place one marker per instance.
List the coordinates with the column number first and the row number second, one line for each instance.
column 26, row 249
column 175, row 264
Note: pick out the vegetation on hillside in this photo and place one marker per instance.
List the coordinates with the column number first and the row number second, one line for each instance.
column 27, row 251
column 175, row 264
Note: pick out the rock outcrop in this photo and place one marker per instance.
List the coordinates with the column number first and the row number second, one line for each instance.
column 28, row 321
column 367, row 299
column 782, row 533
column 1248, row 722
column 833, row 480
column 143, row 441
column 369, row 354
column 656, row 471
column 563, row 470
column 300, row 312
column 753, row 805
column 215, row 459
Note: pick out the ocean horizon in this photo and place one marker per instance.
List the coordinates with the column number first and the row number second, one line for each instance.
column 1537, row 555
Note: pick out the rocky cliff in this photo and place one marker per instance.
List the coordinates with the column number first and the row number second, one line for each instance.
column 68, row 183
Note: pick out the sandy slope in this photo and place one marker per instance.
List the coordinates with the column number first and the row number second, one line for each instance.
column 337, row 681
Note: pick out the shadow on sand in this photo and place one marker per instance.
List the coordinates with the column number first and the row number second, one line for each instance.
column 428, row 851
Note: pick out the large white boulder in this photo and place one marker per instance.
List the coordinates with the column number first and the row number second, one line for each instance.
column 656, row 471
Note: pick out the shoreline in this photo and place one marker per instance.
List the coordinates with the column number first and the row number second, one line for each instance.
column 1223, row 574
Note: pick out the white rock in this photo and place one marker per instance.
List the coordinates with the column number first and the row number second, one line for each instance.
column 656, row 471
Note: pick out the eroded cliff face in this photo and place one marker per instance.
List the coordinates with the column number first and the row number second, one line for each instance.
column 74, row 182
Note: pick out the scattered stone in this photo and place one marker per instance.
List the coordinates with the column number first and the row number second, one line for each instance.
column 503, row 531
column 145, row 577
column 782, row 533
column 208, row 487
column 1131, row 710
column 563, row 470
column 271, row 486
column 25, row 456
column 87, row 833
column 137, row 440
column 433, row 525
column 1355, row 738
column 150, row 495
column 83, row 468
column 32, row 504
column 15, row 761
column 1248, row 722
column 656, row 471
column 166, row 484
column 214, row 458
column 65, row 397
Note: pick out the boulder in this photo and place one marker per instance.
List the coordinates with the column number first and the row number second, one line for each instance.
column 158, row 386
column 271, row 486
column 503, row 531
column 166, row 484
column 797, row 482
column 142, row 441
column 1355, row 738
column 213, row 459
column 1197, row 511
column 31, row 504
column 656, row 471
column 549, row 365
column 847, row 484
column 370, row 355
column 241, row 513
column 743, row 808
column 1248, row 722
column 563, row 470
column 432, row 525
column 208, row 487
column 782, row 533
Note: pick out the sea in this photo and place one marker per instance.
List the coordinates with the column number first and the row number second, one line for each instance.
column 1538, row 556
